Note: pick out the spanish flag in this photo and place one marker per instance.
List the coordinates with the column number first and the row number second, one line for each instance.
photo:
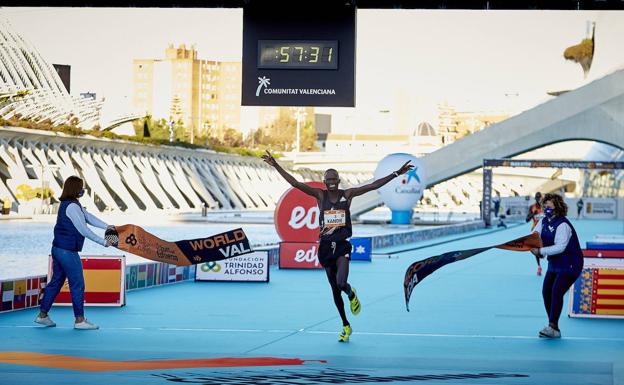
column 102, row 282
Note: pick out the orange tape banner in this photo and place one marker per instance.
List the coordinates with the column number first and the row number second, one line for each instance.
column 134, row 239
column 421, row 269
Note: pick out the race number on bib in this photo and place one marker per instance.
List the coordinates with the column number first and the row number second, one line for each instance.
column 335, row 218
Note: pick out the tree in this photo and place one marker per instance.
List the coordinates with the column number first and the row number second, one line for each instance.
column 582, row 53
column 27, row 193
column 146, row 131
column 158, row 129
column 232, row 138
column 282, row 135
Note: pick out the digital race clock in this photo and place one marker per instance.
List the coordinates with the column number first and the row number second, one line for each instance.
column 299, row 53
column 293, row 54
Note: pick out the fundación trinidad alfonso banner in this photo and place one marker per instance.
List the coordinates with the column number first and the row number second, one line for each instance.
column 253, row 267
column 136, row 240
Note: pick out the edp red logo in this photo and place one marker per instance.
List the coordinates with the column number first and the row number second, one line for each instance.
column 297, row 216
column 299, row 255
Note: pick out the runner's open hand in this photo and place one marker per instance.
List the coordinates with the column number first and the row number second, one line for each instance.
column 269, row 158
column 405, row 168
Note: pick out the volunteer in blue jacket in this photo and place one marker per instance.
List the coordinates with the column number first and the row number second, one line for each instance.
column 565, row 259
column 69, row 236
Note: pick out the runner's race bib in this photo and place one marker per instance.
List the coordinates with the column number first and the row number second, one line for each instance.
column 335, row 218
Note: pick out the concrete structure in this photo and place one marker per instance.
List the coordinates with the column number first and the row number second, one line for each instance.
column 422, row 140
column 454, row 125
column 124, row 176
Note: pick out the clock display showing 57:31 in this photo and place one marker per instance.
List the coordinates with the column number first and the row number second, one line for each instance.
column 294, row 54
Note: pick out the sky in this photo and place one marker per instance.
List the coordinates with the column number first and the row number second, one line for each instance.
column 475, row 60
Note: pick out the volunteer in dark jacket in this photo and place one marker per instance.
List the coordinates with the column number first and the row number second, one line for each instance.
column 562, row 249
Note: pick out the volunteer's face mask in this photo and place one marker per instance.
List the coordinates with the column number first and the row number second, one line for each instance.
column 549, row 212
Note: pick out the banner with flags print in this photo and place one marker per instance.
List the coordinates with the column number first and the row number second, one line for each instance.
column 599, row 291
column 21, row 293
column 155, row 274
column 145, row 275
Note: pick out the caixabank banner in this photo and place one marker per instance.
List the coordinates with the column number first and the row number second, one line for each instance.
column 253, row 267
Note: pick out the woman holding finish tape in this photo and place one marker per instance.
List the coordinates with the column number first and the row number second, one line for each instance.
column 565, row 259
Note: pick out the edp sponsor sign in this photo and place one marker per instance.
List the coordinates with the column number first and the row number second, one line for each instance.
column 253, row 267
column 299, row 255
column 304, row 255
column 297, row 215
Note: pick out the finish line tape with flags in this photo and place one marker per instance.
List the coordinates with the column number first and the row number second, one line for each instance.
column 136, row 240
column 418, row 271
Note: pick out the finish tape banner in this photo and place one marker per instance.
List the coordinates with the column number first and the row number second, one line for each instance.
column 418, row 271
column 136, row 240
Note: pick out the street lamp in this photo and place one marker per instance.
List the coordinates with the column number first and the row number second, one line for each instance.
column 42, row 175
column 300, row 115
column 171, row 131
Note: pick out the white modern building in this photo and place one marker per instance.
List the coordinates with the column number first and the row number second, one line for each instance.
column 31, row 89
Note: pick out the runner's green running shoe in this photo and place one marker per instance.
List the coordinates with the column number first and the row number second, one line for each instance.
column 355, row 303
column 346, row 332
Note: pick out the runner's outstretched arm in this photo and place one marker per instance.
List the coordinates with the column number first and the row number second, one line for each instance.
column 315, row 192
column 356, row 191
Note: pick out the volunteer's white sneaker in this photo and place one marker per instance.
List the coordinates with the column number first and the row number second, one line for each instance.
column 45, row 321
column 549, row 332
column 85, row 325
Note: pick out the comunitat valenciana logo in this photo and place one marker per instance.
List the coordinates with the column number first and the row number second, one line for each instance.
column 262, row 82
column 297, row 216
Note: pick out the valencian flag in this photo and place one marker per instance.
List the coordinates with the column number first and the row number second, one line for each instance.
column 421, row 269
column 136, row 240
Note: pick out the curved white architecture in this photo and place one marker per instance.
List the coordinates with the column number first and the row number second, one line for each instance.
column 129, row 177
column 31, row 89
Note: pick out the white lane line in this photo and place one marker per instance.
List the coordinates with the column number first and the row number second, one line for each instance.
column 228, row 330
column 362, row 333
column 162, row 329
column 432, row 335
